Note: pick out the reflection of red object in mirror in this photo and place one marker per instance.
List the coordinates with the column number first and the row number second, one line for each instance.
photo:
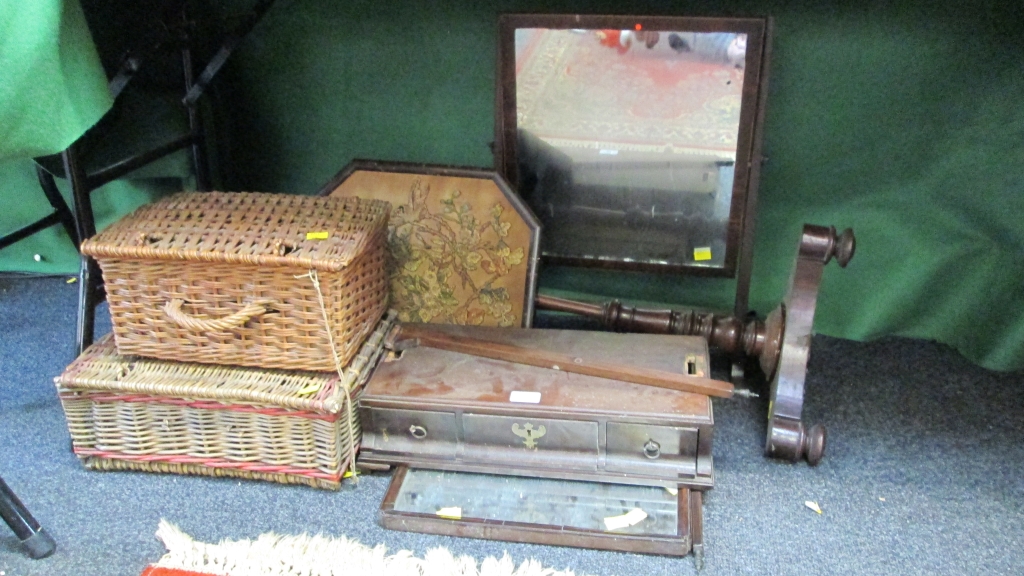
column 614, row 39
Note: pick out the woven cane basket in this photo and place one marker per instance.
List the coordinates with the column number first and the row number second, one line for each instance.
column 245, row 278
column 130, row 413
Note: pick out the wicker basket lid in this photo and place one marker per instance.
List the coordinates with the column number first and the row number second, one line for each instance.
column 254, row 228
column 100, row 368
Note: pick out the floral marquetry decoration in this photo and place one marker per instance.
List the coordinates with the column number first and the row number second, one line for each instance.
column 463, row 247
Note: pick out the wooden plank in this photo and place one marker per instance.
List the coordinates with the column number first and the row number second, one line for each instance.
column 425, row 336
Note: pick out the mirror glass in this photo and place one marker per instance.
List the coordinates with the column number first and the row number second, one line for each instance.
column 565, row 503
column 625, row 140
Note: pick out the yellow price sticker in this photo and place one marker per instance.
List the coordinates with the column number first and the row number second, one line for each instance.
column 702, row 253
column 324, row 235
column 631, row 518
column 450, row 512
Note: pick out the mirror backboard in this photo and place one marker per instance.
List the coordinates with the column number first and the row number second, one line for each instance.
column 631, row 138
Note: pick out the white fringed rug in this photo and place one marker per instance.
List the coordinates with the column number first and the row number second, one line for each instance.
column 275, row 555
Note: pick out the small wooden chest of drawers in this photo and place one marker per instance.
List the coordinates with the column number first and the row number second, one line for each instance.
column 445, row 410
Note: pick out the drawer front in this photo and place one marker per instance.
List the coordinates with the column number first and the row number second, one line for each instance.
column 645, row 448
column 530, row 441
column 414, row 432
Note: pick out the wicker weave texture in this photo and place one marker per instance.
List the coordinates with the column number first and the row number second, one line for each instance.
column 140, row 414
column 114, row 464
column 228, row 278
column 245, row 228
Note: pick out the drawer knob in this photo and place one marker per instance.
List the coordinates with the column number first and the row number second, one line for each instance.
column 418, row 432
column 652, row 449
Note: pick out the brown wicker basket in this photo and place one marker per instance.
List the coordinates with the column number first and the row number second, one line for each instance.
column 244, row 278
column 129, row 413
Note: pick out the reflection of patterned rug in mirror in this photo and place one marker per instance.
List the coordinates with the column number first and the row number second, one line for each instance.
column 460, row 250
column 572, row 89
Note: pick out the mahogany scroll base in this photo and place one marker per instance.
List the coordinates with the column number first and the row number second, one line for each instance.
column 787, row 436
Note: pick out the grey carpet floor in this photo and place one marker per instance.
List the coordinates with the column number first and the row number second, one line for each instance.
column 924, row 473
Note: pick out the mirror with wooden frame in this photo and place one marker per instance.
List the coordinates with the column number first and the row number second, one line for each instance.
column 635, row 139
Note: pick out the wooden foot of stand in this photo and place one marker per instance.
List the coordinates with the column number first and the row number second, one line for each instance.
column 788, row 440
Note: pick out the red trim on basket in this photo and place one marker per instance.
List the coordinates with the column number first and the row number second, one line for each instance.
column 204, row 405
column 211, row 463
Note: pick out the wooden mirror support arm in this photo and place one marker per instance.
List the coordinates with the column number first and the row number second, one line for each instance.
column 780, row 342
column 727, row 333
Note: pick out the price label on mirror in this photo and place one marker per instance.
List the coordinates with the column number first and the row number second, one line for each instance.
column 702, row 253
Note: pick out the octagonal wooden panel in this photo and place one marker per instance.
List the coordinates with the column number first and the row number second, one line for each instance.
column 463, row 247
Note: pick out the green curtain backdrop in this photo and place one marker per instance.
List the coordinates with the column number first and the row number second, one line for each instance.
column 901, row 120
column 52, row 88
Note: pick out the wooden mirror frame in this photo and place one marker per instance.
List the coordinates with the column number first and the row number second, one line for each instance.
column 740, row 230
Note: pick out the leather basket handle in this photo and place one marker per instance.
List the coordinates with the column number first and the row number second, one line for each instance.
column 173, row 311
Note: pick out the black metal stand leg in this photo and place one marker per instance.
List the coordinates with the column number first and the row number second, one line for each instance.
column 194, row 87
column 195, row 127
column 85, row 222
column 90, row 294
column 90, row 278
column 60, row 207
column 37, row 542
column 61, row 214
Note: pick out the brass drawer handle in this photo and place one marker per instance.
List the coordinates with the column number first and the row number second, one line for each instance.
column 652, row 449
column 418, row 432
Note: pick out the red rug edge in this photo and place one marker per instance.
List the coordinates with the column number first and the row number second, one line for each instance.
column 158, row 571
